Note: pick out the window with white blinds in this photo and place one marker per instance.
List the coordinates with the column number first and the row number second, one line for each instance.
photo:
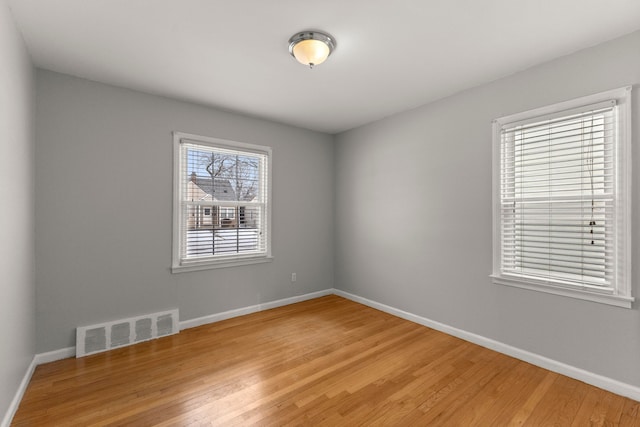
column 561, row 192
column 221, row 203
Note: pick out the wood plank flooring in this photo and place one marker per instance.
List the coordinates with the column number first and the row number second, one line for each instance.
column 327, row 361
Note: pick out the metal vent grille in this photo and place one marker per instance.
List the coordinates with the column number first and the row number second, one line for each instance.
column 123, row 332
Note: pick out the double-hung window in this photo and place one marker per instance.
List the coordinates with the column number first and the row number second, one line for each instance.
column 561, row 198
column 222, row 203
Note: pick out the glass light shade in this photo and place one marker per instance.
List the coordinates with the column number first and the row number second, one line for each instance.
column 311, row 52
column 311, row 47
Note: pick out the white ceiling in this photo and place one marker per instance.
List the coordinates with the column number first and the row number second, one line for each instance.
column 391, row 55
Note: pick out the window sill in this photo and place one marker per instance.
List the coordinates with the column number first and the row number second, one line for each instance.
column 583, row 294
column 209, row 265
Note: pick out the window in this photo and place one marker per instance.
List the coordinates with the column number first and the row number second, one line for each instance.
column 221, row 203
column 561, row 198
column 228, row 213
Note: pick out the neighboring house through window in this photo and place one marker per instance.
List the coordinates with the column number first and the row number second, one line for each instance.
column 561, row 198
column 221, row 203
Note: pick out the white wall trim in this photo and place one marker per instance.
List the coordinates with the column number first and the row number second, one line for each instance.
column 52, row 356
column 38, row 359
column 64, row 353
column 606, row 383
column 13, row 407
column 217, row 317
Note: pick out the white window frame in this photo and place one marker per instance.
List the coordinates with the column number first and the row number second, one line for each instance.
column 183, row 265
column 620, row 294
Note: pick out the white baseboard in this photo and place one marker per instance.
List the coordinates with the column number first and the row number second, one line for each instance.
column 606, row 383
column 52, row 356
column 13, row 407
column 38, row 359
column 64, row 353
column 192, row 323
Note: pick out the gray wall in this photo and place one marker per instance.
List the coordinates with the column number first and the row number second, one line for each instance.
column 413, row 216
column 411, row 210
column 17, row 301
column 104, row 202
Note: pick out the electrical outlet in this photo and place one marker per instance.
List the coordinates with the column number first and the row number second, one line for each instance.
column 293, row 277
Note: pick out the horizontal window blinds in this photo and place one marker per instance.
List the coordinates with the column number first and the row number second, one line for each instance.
column 223, row 198
column 557, row 197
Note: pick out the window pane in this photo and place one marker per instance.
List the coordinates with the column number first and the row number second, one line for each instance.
column 222, row 175
column 557, row 191
column 223, row 202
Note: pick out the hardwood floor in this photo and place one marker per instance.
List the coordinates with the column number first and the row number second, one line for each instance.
column 327, row 361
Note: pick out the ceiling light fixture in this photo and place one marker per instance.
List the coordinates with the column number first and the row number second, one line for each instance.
column 311, row 47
